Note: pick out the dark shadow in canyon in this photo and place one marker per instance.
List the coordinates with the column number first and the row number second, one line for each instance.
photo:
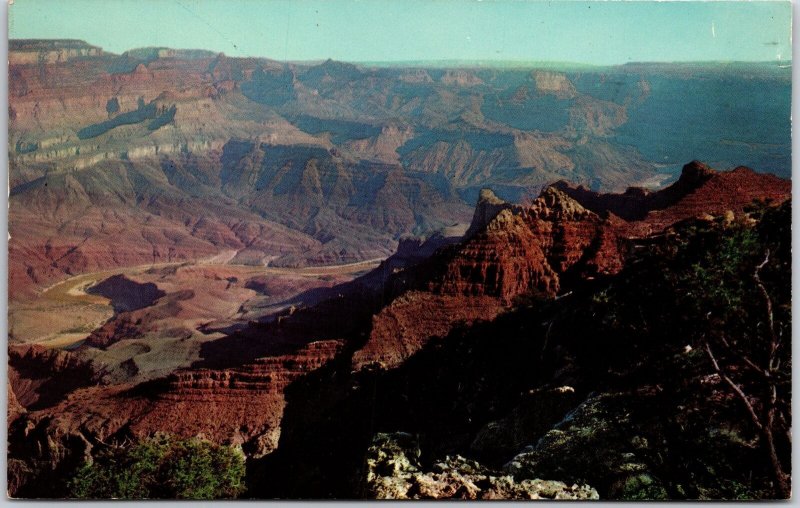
column 443, row 395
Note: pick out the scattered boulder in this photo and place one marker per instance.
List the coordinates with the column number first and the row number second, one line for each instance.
column 394, row 472
column 595, row 442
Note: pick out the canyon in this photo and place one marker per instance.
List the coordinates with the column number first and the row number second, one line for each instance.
column 386, row 281
column 115, row 159
column 242, row 387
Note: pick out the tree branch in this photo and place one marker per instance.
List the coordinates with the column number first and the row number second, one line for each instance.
column 736, row 388
column 774, row 339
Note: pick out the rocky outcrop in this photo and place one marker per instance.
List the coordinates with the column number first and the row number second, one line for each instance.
column 269, row 375
column 554, row 83
column 719, row 192
column 409, row 322
column 622, row 461
column 503, row 261
column 487, row 208
column 526, row 249
column 460, row 78
column 635, row 203
column 699, row 190
column 36, row 51
column 39, row 377
column 509, row 250
column 394, row 472
column 239, row 406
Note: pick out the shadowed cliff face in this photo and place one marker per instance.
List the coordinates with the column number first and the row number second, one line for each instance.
column 445, row 338
column 41, row 377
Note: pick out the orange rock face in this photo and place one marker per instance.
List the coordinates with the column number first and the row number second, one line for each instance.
column 568, row 233
column 240, row 406
column 526, row 249
column 513, row 250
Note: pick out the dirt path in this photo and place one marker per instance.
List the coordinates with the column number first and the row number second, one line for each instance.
column 317, row 271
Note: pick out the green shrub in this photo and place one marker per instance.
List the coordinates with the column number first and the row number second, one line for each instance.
column 162, row 467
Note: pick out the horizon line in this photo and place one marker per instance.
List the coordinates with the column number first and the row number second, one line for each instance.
column 478, row 62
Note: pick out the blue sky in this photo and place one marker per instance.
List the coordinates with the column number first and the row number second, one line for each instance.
column 399, row 30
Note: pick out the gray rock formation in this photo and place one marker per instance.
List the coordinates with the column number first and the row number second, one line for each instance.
column 394, row 472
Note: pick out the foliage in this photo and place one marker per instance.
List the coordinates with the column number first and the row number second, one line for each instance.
column 701, row 317
column 697, row 284
column 162, row 467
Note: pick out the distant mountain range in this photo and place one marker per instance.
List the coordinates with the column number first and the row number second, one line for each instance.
column 552, row 65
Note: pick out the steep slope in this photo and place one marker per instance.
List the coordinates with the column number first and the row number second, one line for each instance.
column 240, row 406
column 619, row 367
column 315, row 375
column 546, row 248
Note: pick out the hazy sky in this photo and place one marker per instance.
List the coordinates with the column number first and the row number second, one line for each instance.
column 385, row 30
